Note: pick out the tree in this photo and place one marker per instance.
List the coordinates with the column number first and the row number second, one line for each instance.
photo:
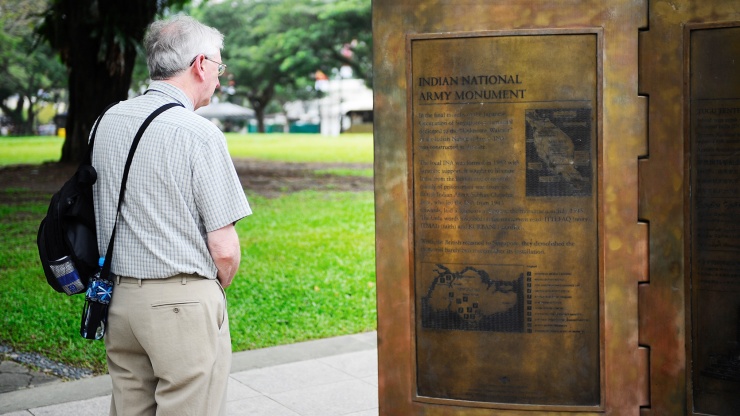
column 30, row 71
column 274, row 46
column 98, row 41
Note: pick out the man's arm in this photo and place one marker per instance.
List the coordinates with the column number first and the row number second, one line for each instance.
column 224, row 247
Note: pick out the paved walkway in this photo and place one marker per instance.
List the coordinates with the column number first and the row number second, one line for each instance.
column 328, row 377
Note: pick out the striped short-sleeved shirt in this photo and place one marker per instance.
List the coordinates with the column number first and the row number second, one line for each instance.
column 182, row 185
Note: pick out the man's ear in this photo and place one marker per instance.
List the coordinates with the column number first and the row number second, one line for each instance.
column 197, row 68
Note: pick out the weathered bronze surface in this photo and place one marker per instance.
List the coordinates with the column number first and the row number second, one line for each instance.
column 617, row 251
column 714, row 75
column 682, row 66
column 505, row 225
column 681, row 214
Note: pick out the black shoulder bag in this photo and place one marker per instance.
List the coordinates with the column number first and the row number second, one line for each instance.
column 67, row 237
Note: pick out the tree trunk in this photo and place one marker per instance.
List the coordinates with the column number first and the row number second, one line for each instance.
column 30, row 123
column 259, row 114
column 91, row 89
column 16, row 116
column 259, row 102
column 99, row 49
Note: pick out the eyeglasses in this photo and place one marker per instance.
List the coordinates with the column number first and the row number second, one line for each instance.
column 221, row 66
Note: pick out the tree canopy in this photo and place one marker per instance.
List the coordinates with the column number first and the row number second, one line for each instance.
column 272, row 47
column 31, row 72
column 98, row 42
column 276, row 46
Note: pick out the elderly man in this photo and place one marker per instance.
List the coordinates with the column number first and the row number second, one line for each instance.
column 167, row 342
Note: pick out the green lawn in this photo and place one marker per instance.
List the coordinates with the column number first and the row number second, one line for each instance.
column 351, row 148
column 31, row 150
column 307, row 271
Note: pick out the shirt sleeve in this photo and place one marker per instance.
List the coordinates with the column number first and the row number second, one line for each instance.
column 219, row 196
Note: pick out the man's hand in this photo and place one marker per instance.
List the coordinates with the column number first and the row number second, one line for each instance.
column 224, row 247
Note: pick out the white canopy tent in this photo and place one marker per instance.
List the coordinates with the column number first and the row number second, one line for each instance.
column 223, row 111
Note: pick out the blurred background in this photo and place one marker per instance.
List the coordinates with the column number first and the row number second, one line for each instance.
column 294, row 66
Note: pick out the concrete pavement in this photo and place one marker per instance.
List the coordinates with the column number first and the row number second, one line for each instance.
column 327, row 377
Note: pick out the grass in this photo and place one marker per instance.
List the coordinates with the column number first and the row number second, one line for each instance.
column 35, row 318
column 306, row 273
column 349, row 148
column 29, row 150
column 307, row 268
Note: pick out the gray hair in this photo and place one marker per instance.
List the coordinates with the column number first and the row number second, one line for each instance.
column 172, row 44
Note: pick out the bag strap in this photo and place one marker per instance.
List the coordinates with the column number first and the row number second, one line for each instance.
column 109, row 253
column 87, row 160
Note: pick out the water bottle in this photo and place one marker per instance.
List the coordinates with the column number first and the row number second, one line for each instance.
column 67, row 275
column 97, row 299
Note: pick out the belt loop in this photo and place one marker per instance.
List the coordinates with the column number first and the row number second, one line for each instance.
column 118, row 280
column 139, row 282
column 184, row 280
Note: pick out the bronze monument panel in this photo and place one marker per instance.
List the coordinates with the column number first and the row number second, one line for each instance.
column 503, row 170
column 714, row 212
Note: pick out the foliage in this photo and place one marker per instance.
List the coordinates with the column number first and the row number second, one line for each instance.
column 30, row 71
column 98, row 41
column 276, row 46
column 273, row 48
column 306, row 273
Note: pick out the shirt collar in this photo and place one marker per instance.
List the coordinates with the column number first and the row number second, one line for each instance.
column 172, row 92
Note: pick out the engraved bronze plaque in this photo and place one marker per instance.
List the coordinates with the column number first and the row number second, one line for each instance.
column 503, row 167
column 714, row 218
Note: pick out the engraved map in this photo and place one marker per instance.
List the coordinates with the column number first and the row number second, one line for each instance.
column 469, row 299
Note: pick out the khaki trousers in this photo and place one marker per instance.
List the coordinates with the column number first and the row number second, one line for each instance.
column 168, row 347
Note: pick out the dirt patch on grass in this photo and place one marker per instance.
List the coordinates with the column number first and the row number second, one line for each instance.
column 273, row 179
column 270, row 179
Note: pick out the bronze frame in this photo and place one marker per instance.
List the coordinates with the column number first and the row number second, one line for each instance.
column 598, row 142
